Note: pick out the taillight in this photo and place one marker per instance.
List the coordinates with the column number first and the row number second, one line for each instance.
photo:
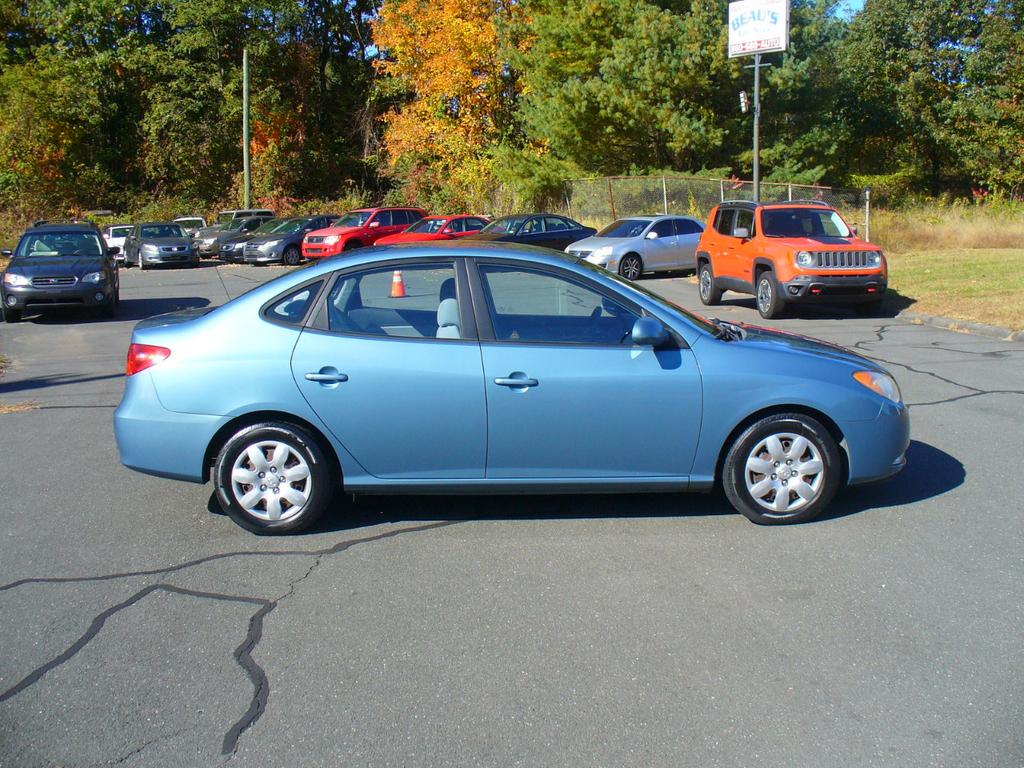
column 143, row 356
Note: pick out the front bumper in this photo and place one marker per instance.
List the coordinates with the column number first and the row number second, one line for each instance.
column 877, row 448
column 230, row 254
column 256, row 256
column 210, row 250
column 847, row 288
column 78, row 295
column 320, row 251
column 156, row 259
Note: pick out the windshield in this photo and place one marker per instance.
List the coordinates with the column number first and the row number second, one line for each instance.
column 232, row 224
column 120, row 231
column 656, row 297
column 802, row 222
column 507, row 226
column 624, row 228
column 162, row 230
column 287, row 226
column 225, row 217
column 60, row 244
column 271, row 225
column 427, row 226
column 353, row 219
column 191, row 222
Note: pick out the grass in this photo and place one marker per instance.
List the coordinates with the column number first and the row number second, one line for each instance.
column 984, row 285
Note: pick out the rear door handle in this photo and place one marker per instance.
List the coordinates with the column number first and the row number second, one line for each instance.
column 516, row 382
column 327, row 378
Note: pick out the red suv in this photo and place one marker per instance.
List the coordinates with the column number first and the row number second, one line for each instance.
column 788, row 253
column 357, row 229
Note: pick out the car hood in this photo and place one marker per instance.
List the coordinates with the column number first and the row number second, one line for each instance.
column 173, row 318
column 40, row 266
column 335, row 231
column 281, row 236
column 817, row 243
column 593, row 243
column 793, row 342
column 166, row 241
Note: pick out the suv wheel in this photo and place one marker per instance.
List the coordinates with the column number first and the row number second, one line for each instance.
column 782, row 469
column 770, row 303
column 709, row 293
column 273, row 477
column 631, row 267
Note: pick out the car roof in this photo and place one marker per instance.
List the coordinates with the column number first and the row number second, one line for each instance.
column 155, row 223
column 751, row 205
column 61, row 228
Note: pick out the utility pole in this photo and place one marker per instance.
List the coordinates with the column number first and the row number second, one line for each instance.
column 247, row 182
column 756, row 66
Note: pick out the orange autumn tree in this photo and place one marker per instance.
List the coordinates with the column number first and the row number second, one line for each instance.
column 455, row 96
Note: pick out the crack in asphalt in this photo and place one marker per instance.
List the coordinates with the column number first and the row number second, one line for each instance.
column 242, row 654
column 880, row 332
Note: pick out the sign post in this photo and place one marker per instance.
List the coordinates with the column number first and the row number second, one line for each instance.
column 756, row 27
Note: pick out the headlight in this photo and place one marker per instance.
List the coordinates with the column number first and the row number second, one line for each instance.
column 881, row 383
column 331, row 239
column 804, row 259
column 602, row 253
column 14, row 280
column 874, row 258
column 208, row 240
column 269, row 244
column 94, row 278
column 150, row 247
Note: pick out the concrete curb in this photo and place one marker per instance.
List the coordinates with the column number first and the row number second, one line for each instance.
column 962, row 326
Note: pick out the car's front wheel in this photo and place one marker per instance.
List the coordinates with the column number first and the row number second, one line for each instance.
column 710, row 295
column 273, row 478
column 770, row 303
column 784, row 468
column 631, row 267
column 292, row 256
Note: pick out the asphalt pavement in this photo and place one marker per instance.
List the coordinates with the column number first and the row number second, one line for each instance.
column 140, row 627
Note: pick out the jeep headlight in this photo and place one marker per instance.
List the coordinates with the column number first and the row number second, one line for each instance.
column 804, row 259
column 880, row 383
column 94, row 278
column 874, row 258
column 14, row 280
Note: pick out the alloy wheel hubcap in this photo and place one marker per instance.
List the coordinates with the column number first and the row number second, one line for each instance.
column 784, row 473
column 631, row 268
column 270, row 480
column 705, row 283
column 764, row 294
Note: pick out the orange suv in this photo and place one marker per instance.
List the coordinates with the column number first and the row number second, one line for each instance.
column 786, row 253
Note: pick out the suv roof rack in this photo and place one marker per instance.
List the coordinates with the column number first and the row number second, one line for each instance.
column 751, row 204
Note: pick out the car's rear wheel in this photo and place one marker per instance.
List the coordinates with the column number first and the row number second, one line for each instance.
column 631, row 267
column 273, row 478
column 292, row 256
column 784, row 468
column 770, row 303
column 710, row 295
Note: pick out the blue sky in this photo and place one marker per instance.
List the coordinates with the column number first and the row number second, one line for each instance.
column 849, row 7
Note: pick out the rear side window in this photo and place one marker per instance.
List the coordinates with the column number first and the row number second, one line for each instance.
column 457, row 225
column 723, row 221
column 292, row 308
column 383, row 218
column 688, row 227
column 475, row 224
column 555, row 224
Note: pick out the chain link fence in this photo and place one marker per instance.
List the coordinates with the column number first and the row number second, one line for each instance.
column 598, row 201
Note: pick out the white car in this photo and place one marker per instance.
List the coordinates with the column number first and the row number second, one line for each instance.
column 191, row 224
column 114, row 236
column 642, row 244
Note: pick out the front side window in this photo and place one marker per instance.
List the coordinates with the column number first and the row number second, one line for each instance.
column 744, row 220
column 532, row 305
column 473, row 224
column 533, row 226
column 456, row 225
column 507, row 226
column 382, row 219
column 417, row 301
column 426, row 226
column 353, row 219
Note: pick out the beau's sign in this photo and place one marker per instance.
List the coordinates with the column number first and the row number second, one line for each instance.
column 758, row 26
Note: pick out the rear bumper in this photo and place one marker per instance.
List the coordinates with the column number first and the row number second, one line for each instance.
column 159, row 442
column 851, row 288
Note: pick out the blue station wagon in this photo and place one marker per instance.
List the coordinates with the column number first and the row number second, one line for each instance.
column 470, row 368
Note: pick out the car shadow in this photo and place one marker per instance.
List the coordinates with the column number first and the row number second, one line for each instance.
column 128, row 309
column 893, row 304
column 930, row 472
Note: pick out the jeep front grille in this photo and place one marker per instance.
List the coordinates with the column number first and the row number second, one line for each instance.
column 844, row 259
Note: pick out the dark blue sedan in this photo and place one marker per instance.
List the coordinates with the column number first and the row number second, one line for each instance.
column 481, row 368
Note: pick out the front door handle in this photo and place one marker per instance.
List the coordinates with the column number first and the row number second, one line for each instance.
column 516, row 381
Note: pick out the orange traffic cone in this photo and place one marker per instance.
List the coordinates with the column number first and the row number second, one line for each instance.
column 397, row 285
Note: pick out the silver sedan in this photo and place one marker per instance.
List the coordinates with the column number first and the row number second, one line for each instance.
column 642, row 244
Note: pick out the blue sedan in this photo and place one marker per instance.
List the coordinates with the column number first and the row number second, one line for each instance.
column 487, row 368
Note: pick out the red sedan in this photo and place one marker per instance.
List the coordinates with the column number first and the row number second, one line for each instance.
column 438, row 228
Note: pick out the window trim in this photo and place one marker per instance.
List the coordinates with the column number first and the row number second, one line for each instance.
column 318, row 320
column 482, row 305
column 310, row 310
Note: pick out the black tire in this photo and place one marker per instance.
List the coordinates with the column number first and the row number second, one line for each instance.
column 12, row 315
column 710, row 294
column 734, row 470
column 291, row 256
column 768, row 296
column 319, row 490
column 631, row 264
column 142, row 264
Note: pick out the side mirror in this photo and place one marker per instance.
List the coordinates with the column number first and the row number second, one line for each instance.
column 7, row 252
column 113, row 250
column 374, row 224
column 652, row 235
column 649, row 332
column 741, row 232
column 853, row 231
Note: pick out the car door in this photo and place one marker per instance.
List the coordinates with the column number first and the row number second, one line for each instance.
column 568, row 395
column 743, row 262
column 723, row 257
column 688, row 234
column 660, row 251
column 531, row 232
column 398, row 379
